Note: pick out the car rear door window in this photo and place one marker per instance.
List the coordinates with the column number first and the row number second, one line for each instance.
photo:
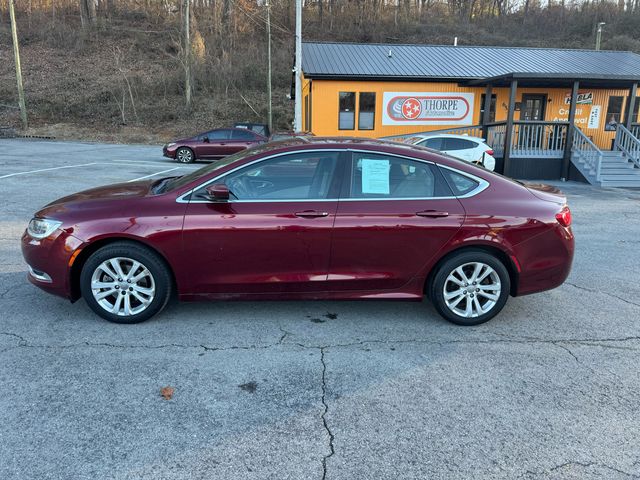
column 459, row 183
column 243, row 135
column 451, row 144
column 435, row 143
column 379, row 176
column 298, row 176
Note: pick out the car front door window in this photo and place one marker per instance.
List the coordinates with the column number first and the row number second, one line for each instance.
column 303, row 176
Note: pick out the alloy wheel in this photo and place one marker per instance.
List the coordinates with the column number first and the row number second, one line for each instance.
column 472, row 289
column 185, row 155
column 123, row 286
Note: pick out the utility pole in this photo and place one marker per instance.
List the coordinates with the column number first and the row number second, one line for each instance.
column 599, row 34
column 187, row 51
column 297, row 123
column 269, row 114
column 16, row 54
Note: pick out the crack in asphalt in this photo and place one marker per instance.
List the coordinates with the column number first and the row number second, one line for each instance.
column 324, row 414
column 593, row 290
column 582, row 465
column 506, row 339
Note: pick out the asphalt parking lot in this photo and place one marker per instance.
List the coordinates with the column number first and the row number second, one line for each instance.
column 312, row 390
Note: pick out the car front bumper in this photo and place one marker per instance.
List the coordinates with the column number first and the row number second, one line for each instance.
column 169, row 152
column 50, row 260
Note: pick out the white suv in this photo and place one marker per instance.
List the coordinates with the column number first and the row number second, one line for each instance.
column 470, row 149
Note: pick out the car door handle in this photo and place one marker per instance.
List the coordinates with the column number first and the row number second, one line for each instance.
column 432, row 214
column 311, row 214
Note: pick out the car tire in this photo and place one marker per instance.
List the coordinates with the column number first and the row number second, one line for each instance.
column 120, row 295
column 474, row 303
column 185, row 155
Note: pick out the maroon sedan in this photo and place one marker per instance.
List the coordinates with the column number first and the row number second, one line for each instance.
column 214, row 144
column 307, row 219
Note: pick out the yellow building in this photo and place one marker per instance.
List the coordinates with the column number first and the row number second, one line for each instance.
column 522, row 100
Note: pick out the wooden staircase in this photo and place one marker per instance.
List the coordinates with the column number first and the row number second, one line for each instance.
column 601, row 167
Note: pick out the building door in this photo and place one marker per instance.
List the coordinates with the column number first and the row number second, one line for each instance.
column 531, row 137
column 533, row 107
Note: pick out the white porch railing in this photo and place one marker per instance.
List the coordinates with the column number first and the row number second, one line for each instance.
column 538, row 139
column 627, row 143
column 471, row 130
column 584, row 150
column 529, row 139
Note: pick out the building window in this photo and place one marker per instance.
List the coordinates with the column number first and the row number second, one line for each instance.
column 366, row 111
column 614, row 113
column 347, row 115
column 492, row 109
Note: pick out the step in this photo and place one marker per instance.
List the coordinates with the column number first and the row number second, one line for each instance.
column 622, row 183
column 625, row 165
column 621, row 177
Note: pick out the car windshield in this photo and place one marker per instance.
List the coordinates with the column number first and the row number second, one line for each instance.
column 179, row 182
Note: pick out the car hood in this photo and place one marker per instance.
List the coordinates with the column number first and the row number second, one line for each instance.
column 546, row 192
column 96, row 197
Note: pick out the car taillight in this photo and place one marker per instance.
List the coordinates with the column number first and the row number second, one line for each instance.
column 489, row 152
column 564, row 216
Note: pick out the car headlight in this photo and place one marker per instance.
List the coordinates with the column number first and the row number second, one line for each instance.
column 42, row 227
column 169, row 145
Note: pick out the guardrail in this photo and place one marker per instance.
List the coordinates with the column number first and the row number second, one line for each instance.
column 587, row 151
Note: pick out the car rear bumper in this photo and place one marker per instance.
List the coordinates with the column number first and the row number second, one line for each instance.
column 545, row 260
column 49, row 261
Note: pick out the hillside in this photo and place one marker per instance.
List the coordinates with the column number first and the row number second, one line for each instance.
column 123, row 80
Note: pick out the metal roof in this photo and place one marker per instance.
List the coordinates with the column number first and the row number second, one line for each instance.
column 444, row 62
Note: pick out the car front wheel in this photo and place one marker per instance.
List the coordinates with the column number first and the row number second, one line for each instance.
column 185, row 155
column 125, row 283
column 470, row 288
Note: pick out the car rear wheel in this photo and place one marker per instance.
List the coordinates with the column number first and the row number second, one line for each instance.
column 470, row 288
column 125, row 283
column 185, row 155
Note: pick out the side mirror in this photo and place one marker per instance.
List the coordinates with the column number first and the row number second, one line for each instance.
column 205, row 139
column 218, row 192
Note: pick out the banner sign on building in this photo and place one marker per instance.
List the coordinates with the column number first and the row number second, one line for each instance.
column 594, row 117
column 583, row 98
column 427, row 108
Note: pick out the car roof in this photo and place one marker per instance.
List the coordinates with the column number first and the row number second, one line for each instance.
column 448, row 135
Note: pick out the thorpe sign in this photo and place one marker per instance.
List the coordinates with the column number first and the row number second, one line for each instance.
column 427, row 108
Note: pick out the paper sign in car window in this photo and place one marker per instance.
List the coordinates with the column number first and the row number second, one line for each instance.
column 375, row 176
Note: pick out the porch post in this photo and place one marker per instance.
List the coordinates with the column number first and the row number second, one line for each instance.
column 566, row 159
column 509, row 128
column 631, row 105
column 486, row 115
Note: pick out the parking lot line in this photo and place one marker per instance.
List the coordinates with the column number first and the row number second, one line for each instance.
column 153, row 174
column 46, row 170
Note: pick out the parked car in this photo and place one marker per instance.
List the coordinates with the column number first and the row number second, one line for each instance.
column 464, row 147
column 310, row 218
column 213, row 144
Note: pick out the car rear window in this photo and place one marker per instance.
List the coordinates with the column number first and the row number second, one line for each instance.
column 450, row 143
column 459, row 183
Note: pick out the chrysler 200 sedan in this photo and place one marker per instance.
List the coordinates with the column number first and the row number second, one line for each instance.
column 307, row 218
column 214, row 144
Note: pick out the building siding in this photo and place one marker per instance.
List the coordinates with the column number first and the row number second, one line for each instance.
column 323, row 101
